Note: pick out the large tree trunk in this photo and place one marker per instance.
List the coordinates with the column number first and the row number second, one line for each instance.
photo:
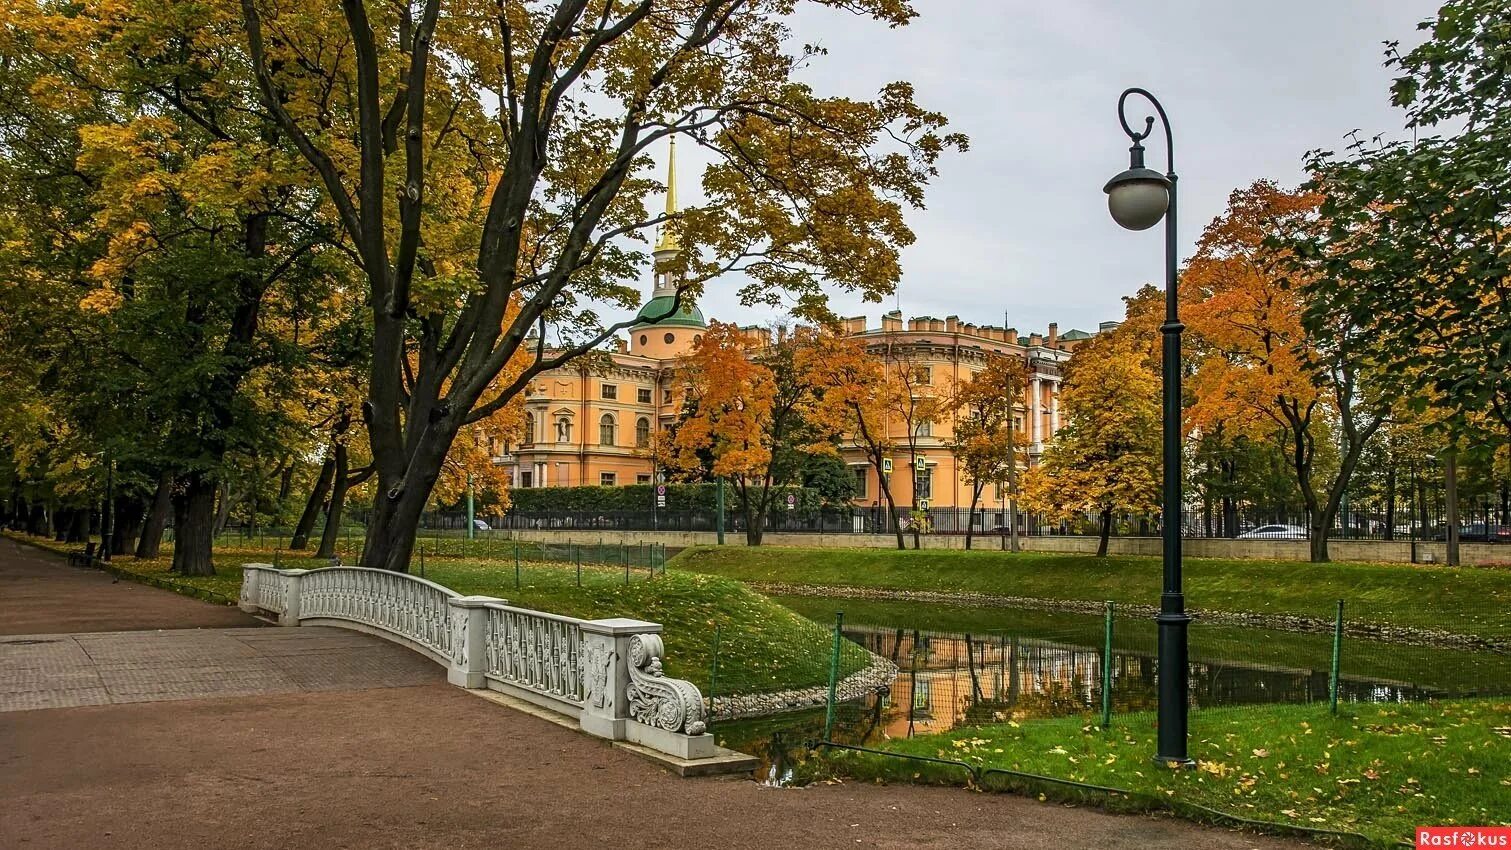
column 78, row 526
column 128, row 524
column 194, row 525
column 970, row 518
column 886, row 492
column 1390, row 502
column 1106, row 532
column 1451, row 504
column 223, row 508
column 312, row 505
column 339, row 484
column 149, row 545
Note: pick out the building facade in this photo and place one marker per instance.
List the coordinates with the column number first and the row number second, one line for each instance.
column 592, row 422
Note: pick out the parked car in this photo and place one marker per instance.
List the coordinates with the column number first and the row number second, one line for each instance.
column 1476, row 532
column 1275, row 532
column 481, row 525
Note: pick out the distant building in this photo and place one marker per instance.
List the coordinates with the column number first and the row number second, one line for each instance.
column 591, row 423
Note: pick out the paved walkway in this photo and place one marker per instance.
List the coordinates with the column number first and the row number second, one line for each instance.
column 296, row 758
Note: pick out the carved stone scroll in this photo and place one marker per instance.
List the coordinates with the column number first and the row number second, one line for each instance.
column 655, row 700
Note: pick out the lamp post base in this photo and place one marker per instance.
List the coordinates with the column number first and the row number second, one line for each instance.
column 1173, row 683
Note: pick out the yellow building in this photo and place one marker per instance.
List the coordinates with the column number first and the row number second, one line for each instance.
column 590, row 423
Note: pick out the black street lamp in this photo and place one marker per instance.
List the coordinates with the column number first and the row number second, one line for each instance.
column 1138, row 198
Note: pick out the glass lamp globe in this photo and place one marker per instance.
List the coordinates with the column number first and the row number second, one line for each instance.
column 1138, row 198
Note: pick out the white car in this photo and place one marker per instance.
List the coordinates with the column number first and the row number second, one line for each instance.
column 481, row 525
column 1275, row 532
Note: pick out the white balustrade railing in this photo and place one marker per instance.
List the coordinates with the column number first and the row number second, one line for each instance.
column 607, row 673
column 534, row 650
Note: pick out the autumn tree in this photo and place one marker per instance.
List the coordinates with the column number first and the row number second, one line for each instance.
column 478, row 157
column 987, row 444
column 914, row 403
column 748, row 403
column 1268, row 366
column 1105, row 458
column 853, row 402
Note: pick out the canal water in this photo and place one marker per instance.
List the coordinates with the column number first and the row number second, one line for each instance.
column 962, row 666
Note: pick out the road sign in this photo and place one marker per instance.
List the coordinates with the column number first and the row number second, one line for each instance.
column 923, row 504
column 886, row 466
column 660, row 495
column 791, row 502
column 919, row 464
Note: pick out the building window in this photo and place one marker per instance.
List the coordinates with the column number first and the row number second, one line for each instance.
column 697, row 338
column 923, row 374
column 563, row 429
column 529, row 438
column 925, row 428
column 644, row 339
column 642, row 432
column 861, row 479
column 643, row 478
column 923, row 482
column 605, row 479
column 670, row 338
column 606, row 430
column 527, row 478
column 666, row 396
column 643, row 395
column 610, row 391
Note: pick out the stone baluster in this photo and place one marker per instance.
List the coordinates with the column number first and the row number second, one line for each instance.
column 469, row 635
column 251, row 577
column 291, row 585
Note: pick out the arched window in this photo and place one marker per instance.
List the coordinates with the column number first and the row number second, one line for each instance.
column 563, row 429
column 642, row 432
column 529, row 438
column 606, row 430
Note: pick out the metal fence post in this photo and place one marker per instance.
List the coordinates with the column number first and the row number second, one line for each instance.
column 839, row 622
column 1337, row 659
column 516, row 566
column 1107, row 669
column 579, row 566
column 713, row 679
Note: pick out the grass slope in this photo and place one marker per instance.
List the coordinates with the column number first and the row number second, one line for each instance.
column 1376, row 770
column 1469, row 601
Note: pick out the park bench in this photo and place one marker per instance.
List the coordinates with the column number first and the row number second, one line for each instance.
column 84, row 557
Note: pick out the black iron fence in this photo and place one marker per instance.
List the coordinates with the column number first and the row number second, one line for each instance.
column 1483, row 521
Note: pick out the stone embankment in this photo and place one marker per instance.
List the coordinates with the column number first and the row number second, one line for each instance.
column 875, row 677
column 1280, row 622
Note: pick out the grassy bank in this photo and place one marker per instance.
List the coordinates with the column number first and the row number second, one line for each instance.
column 1448, row 671
column 762, row 646
column 1375, row 770
column 1466, row 601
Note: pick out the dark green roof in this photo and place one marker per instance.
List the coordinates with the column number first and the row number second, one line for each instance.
column 687, row 316
column 1074, row 335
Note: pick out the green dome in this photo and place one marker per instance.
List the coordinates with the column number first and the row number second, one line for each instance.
column 688, row 316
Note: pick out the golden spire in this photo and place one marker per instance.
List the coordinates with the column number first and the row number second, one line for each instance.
column 667, row 240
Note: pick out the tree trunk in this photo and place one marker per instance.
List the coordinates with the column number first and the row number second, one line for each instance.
column 313, row 505
column 339, row 485
column 970, row 518
column 1451, row 504
column 78, row 526
column 1390, row 502
column 129, row 511
column 194, row 525
column 149, row 545
column 886, row 492
column 1106, row 532
column 222, row 508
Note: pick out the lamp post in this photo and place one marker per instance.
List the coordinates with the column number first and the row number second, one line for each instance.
column 1138, row 198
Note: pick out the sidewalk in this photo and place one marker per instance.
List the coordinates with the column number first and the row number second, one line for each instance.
column 430, row 766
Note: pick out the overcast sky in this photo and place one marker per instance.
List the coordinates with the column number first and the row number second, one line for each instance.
column 1019, row 223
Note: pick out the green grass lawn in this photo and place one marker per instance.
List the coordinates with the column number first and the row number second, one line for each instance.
column 1375, row 770
column 1451, row 671
column 762, row 646
column 1469, row 601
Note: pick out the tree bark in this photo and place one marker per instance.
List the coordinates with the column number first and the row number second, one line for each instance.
column 223, row 508
column 194, row 525
column 1451, row 504
column 1390, row 502
column 78, row 526
column 970, row 518
column 1106, row 532
column 149, row 545
column 313, row 505
column 129, row 512
column 339, row 484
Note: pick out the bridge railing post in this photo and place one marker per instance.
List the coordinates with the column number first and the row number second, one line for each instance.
column 291, row 583
column 251, row 578
column 469, row 633
column 606, row 674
